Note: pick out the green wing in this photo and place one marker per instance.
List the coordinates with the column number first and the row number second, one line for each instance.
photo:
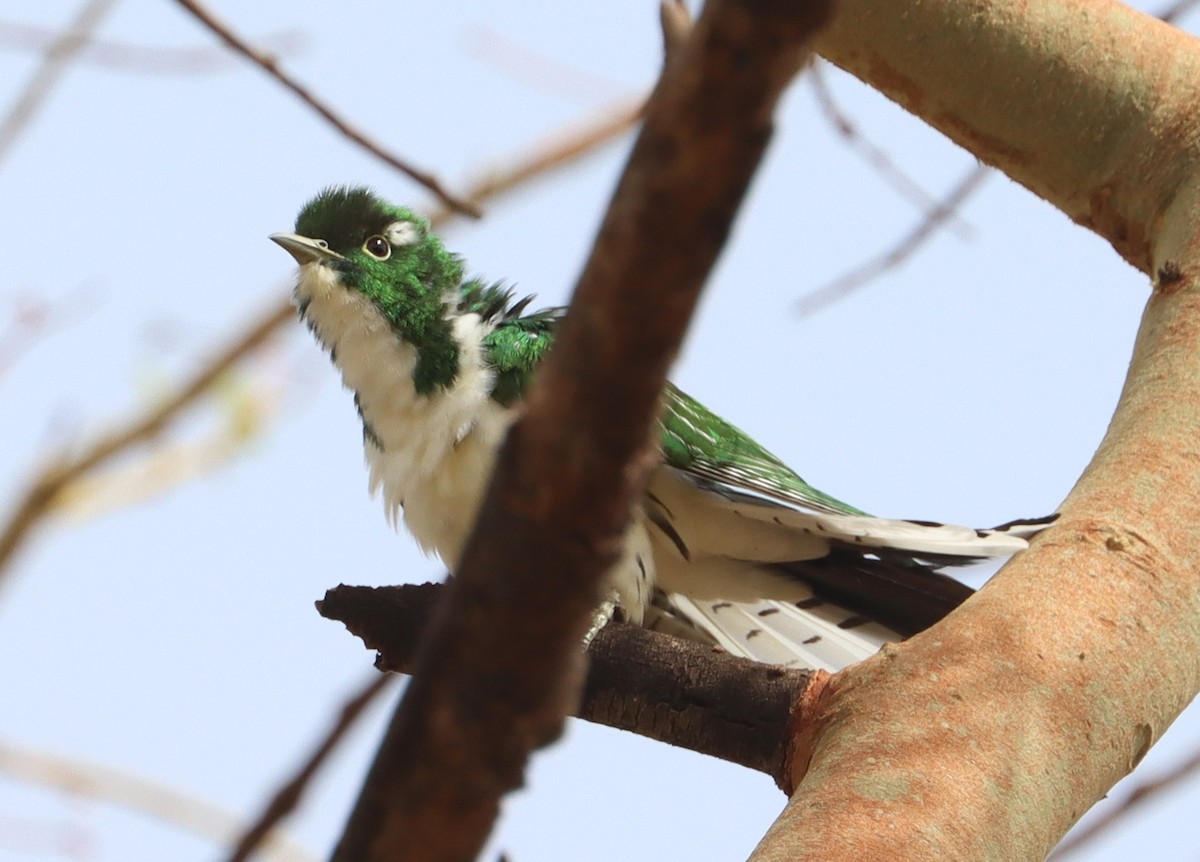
column 694, row 440
column 705, row 446
column 517, row 344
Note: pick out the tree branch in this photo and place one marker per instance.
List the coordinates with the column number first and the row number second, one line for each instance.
column 988, row 735
column 268, row 64
column 655, row 685
column 501, row 665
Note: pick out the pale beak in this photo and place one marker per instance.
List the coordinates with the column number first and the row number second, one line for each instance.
column 305, row 250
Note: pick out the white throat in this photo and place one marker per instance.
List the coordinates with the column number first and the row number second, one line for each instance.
column 431, row 454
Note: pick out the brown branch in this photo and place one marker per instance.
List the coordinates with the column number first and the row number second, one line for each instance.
column 288, row 797
column 878, row 159
column 501, row 665
column 57, row 58
column 559, row 150
column 270, row 65
column 864, row 273
column 1132, row 803
column 655, row 685
column 990, row 734
column 143, row 59
column 40, row 496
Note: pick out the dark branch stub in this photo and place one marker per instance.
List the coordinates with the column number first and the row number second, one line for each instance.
column 655, row 685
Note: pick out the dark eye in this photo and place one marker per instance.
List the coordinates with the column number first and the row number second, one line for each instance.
column 378, row 248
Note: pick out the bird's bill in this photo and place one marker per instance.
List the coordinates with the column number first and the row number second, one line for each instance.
column 305, row 250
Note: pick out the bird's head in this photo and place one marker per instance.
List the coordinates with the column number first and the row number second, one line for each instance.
column 385, row 252
column 349, row 239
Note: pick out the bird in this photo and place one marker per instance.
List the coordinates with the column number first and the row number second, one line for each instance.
column 728, row 545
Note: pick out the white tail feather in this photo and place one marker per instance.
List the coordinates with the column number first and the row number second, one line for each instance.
column 780, row 633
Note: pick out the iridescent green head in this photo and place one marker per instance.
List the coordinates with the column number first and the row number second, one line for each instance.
column 388, row 254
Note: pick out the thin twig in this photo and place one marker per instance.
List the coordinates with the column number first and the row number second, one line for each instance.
column 1176, row 10
column 1132, row 802
column 144, row 59
column 555, row 152
column 58, row 56
column 883, row 164
column 844, row 285
column 270, row 65
column 40, row 496
column 288, row 797
column 117, row 787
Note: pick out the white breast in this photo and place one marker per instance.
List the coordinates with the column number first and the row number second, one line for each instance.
column 436, row 451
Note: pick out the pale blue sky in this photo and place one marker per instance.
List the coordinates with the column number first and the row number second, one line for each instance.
column 176, row 638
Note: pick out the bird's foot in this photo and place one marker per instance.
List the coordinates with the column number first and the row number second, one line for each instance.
column 602, row 617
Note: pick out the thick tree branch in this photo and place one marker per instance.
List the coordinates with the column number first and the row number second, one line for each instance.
column 501, row 664
column 990, row 734
column 655, row 685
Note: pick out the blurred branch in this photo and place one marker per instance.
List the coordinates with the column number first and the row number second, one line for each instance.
column 270, row 65
column 58, row 56
column 33, row 317
column 1133, row 801
column 887, row 169
column 164, row 804
column 557, row 151
column 552, row 521
column 861, row 275
column 661, row 687
column 41, row 495
column 288, row 797
column 1176, row 10
column 142, row 59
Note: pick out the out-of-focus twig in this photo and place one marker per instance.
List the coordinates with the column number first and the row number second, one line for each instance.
column 270, row 65
column 1176, row 10
column 115, row 787
column 537, row 71
column 288, row 796
column 1133, row 801
column 34, row 316
column 557, row 151
column 144, row 59
column 58, row 56
column 844, row 285
column 40, row 496
column 883, row 164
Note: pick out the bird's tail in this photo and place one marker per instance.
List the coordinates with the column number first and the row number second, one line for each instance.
column 823, row 614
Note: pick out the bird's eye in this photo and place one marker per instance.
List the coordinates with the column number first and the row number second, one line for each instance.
column 378, row 248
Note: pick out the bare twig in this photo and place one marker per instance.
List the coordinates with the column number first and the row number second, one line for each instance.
column 537, row 71
column 40, row 496
column 164, row 804
column 501, row 666
column 143, row 59
column 289, row 795
column 1133, row 801
column 34, row 316
column 557, row 151
column 58, row 56
column 844, row 285
column 270, row 65
column 887, row 169
column 1176, row 10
